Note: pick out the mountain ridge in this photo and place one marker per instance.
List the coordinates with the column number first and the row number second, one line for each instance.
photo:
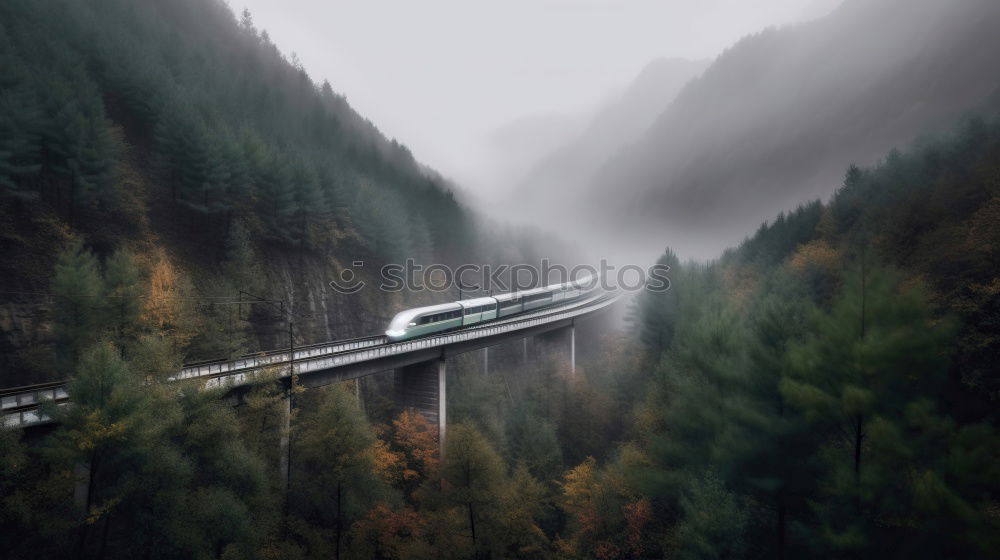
column 777, row 117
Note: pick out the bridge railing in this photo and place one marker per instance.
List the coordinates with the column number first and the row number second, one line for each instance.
column 390, row 349
column 208, row 369
column 19, row 406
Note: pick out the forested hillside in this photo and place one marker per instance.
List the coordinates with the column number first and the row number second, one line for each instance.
column 158, row 161
column 830, row 387
column 826, row 389
column 210, row 113
column 178, row 133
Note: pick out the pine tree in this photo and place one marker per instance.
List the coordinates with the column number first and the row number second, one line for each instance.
column 656, row 312
column 113, row 430
column 77, row 145
column 714, row 522
column 474, row 479
column 768, row 445
column 241, row 267
column 123, row 287
column 534, row 444
column 276, row 195
column 309, row 203
column 521, row 504
column 877, row 352
column 228, row 481
column 20, row 156
column 333, row 481
column 204, row 175
column 80, row 303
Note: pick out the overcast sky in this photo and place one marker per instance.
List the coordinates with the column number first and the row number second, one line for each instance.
column 442, row 75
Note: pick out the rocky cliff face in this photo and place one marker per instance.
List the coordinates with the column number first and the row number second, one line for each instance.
column 300, row 281
column 24, row 329
column 321, row 313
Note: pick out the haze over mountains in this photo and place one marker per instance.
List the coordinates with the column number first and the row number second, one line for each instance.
column 773, row 122
column 557, row 172
column 557, row 151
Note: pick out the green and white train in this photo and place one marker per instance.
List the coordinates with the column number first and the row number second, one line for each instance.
column 421, row 321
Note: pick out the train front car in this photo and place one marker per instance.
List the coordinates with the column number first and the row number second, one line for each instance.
column 420, row 321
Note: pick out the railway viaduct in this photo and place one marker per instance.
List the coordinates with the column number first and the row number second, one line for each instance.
column 419, row 365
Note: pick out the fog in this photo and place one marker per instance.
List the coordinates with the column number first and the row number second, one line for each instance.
column 632, row 126
column 773, row 122
column 446, row 77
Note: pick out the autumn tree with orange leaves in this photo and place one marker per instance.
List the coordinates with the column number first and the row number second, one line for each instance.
column 170, row 304
column 417, row 440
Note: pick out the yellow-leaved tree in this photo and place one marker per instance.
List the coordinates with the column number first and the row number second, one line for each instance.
column 170, row 303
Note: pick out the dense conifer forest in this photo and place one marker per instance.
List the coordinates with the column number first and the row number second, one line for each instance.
column 178, row 132
column 826, row 389
column 829, row 388
column 170, row 116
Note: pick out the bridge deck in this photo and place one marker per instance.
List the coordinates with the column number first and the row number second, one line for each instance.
column 328, row 362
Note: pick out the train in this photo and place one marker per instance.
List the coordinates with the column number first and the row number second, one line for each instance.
column 422, row 321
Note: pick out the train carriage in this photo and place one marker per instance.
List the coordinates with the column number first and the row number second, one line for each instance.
column 478, row 310
column 421, row 321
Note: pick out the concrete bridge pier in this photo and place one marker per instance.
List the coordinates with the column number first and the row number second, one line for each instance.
column 555, row 342
column 422, row 387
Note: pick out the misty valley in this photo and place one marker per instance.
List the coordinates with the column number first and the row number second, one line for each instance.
column 525, row 280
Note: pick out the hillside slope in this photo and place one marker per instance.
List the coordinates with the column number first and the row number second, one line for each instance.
column 835, row 375
column 177, row 131
column 557, row 173
column 777, row 117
